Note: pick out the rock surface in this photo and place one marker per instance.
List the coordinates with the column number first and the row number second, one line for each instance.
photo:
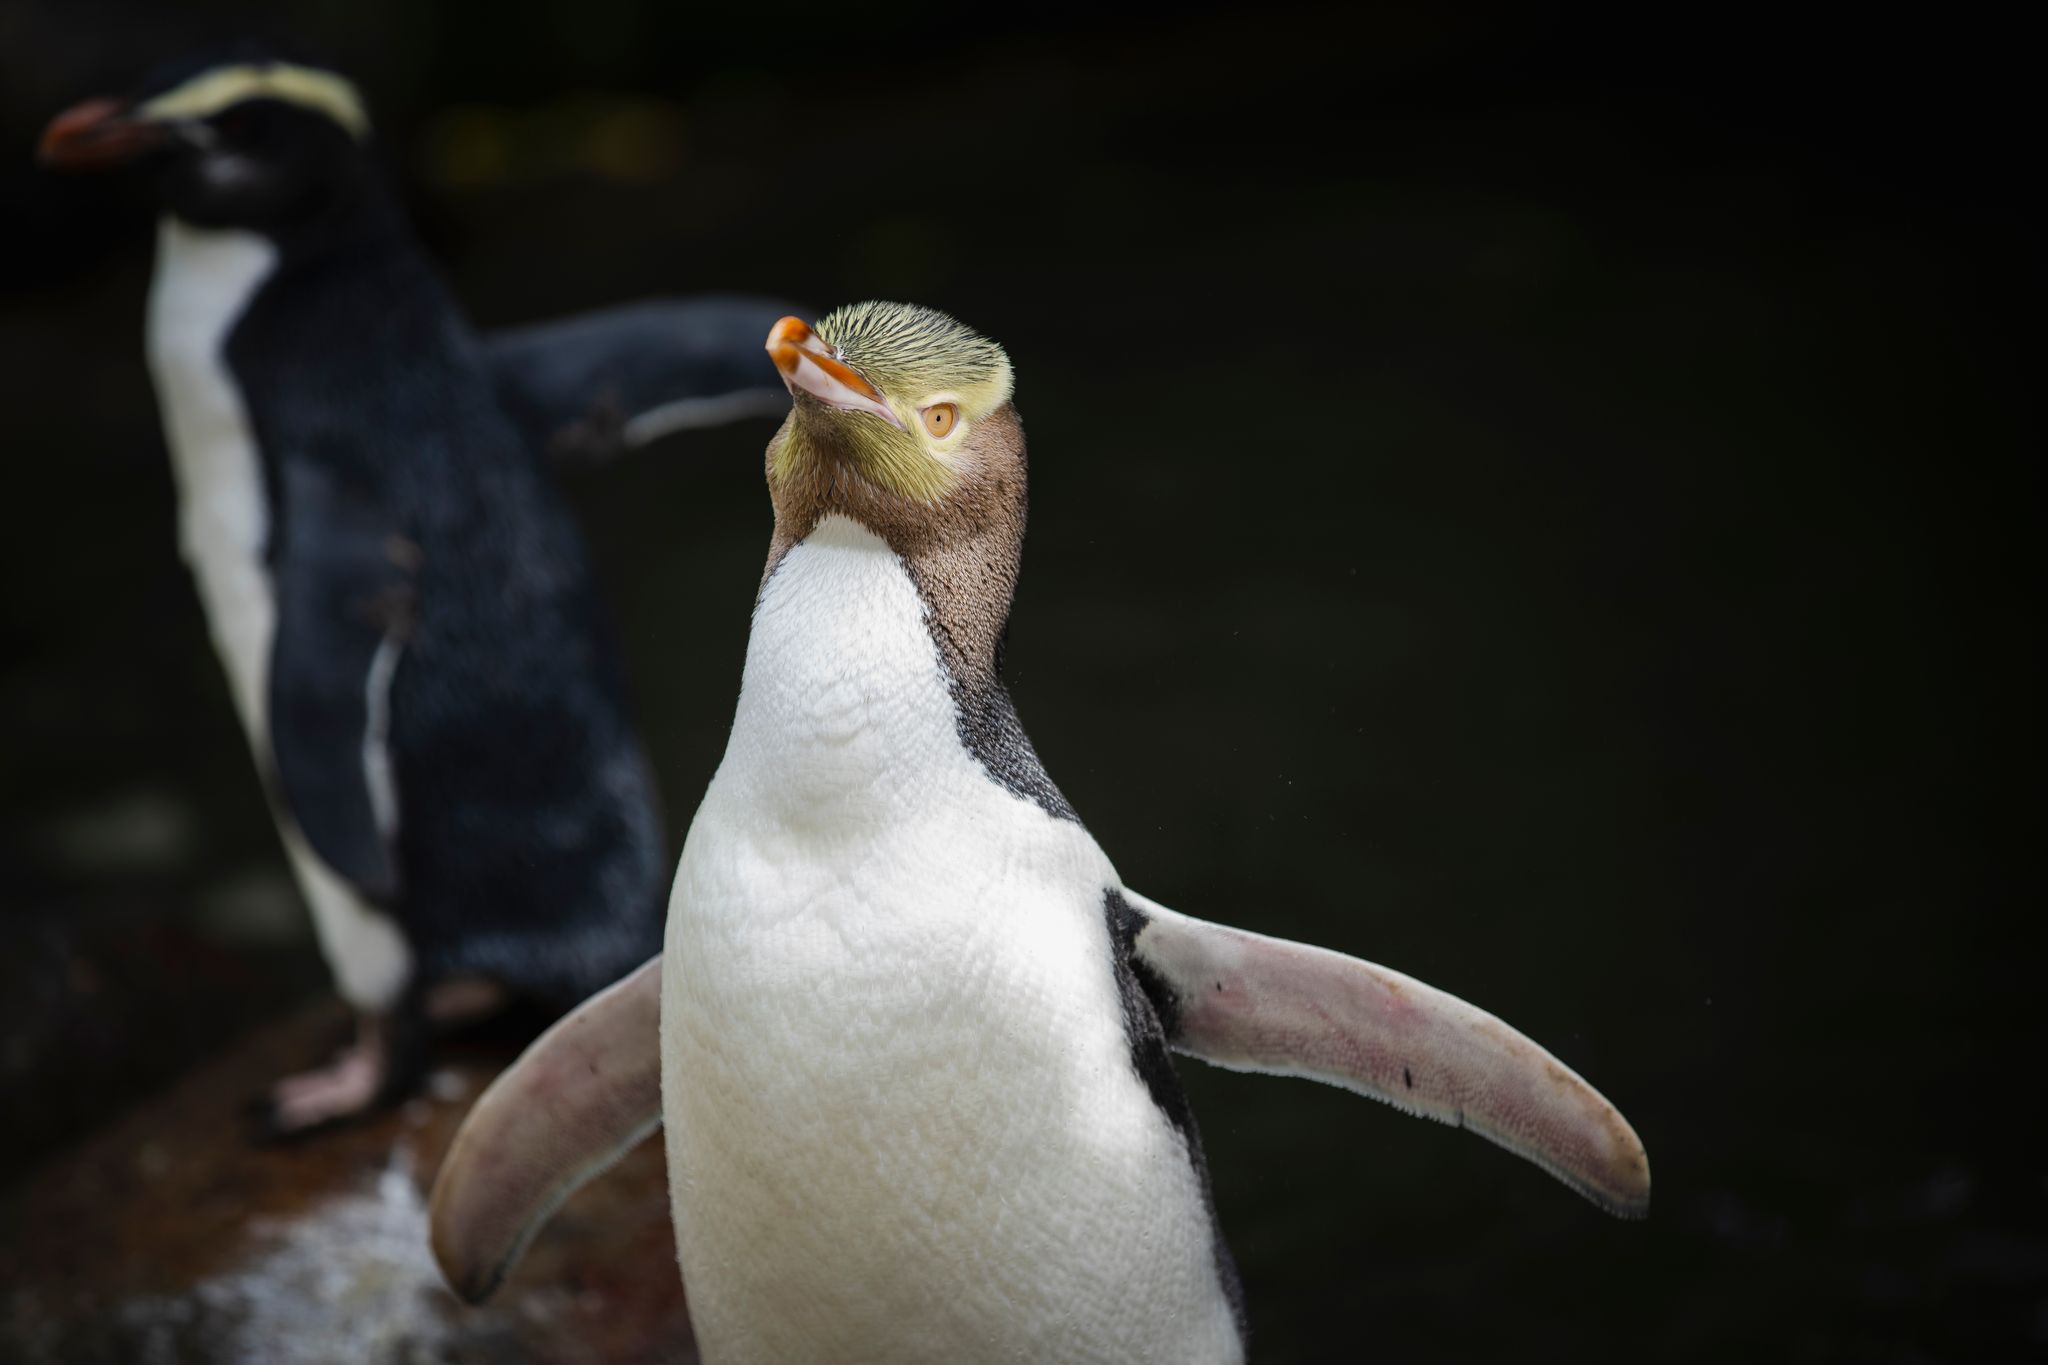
column 169, row 1237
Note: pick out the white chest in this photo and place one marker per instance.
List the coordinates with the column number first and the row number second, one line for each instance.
column 204, row 280
column 902, row 1119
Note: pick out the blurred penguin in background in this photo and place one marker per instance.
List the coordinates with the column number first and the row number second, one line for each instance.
column 401, row 600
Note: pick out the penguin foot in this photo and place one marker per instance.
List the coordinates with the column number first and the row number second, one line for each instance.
column 378, row 1068
column 346, row 1088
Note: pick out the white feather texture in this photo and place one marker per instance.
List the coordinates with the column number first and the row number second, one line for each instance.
column 204, row 281
column 902, row 1119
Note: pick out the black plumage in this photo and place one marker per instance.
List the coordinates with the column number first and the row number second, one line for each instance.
column 596, row 384
column 406, row 504
column 443, row 714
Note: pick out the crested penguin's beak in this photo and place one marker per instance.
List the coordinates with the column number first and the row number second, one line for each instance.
column 812, row 368
column 97, row 134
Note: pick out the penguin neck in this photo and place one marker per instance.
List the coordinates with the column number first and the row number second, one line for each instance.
column 854, row 637
column 844, row 699
column 204, row 282
column 358, row 216
column 963, row 554
column 353, row 249
column 358, row 254
column 319, row 337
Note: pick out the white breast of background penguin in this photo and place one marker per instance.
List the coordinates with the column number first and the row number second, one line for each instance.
column 898, row 1091
column 204, row 281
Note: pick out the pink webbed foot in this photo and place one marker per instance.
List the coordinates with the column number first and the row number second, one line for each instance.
column 358, row 1080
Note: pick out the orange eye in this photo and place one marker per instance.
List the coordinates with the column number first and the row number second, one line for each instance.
column 940, row 418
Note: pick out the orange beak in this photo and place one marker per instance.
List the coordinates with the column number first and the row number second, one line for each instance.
column 96, row 135
column 811, row 368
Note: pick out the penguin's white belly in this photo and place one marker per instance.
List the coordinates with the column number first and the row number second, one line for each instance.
column 902, row 1118
column 204, row 280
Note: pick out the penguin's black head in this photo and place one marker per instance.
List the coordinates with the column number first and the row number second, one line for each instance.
column 247, row 141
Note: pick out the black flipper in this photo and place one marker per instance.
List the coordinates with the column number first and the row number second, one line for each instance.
column 595, row 385
column 345, row 604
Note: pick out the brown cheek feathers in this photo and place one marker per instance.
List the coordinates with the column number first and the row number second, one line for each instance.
column 962, row 553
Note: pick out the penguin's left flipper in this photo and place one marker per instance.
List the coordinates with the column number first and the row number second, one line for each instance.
column 590, row 387
column 345, row 605
column 1251, row 1003
column 576, row 1101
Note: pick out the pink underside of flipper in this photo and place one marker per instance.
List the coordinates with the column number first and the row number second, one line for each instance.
column 573, row 1104
column 1251, row 1003
column 590, row 1088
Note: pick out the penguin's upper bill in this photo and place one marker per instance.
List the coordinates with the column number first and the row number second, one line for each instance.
column 893, row 390
column 242, row 143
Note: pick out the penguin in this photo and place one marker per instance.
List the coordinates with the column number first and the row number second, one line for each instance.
column 910, row 1034
column 583, row 389
column 404, row 609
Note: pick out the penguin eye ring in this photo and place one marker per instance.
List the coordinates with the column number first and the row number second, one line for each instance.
column 941, row 418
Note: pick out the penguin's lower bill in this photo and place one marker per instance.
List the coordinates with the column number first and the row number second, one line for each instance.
column 909, row 1036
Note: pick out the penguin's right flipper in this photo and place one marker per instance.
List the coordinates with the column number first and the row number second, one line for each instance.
column 1251, row 1003
column 593, row 386
column 345, row 604
column 575, row 1102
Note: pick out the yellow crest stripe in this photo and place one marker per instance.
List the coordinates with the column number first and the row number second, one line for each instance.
column 210, row 92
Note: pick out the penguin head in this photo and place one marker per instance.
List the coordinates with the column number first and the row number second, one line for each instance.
column 246, row 141
column 906, row 400
column 901, row 420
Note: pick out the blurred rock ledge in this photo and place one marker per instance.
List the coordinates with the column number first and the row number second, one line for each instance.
column 168, row 1237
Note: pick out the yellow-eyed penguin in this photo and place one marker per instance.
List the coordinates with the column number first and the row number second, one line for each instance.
column 913, row 1030
column 401, row 601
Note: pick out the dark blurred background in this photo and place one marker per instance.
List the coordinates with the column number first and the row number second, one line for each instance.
column 1546, row 504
